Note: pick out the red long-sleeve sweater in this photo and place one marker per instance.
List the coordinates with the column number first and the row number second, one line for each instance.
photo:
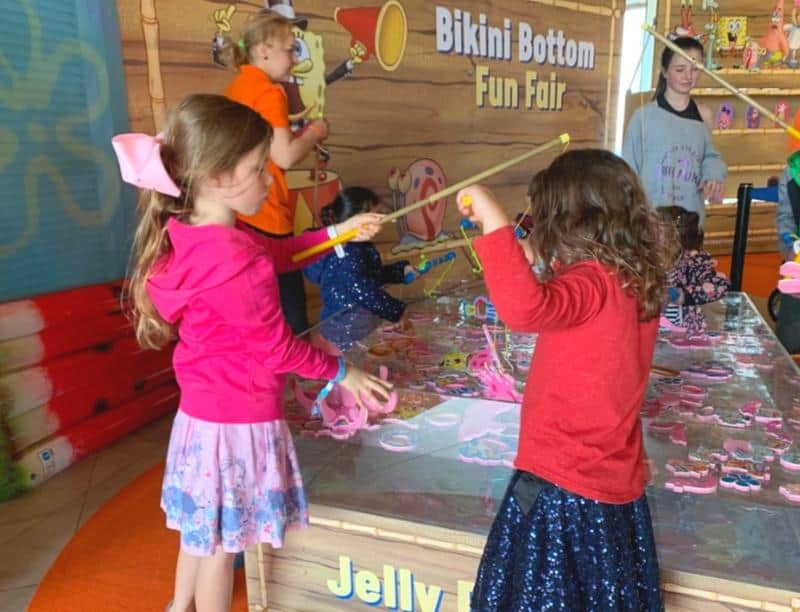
column 580, row 426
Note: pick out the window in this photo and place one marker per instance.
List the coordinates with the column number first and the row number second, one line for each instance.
column 636, row 64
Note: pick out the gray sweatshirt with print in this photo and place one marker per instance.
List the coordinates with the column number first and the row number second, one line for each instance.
column 672, row 156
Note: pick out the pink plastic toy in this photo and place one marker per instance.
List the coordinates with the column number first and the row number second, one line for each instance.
column 480, row 420
column 665, row 323
column 498, row 385
column 486, row 450
column 725, row 116
column 750, row 409
column 341, row 416
column 732, row 419
column 660, row 426
column 752, row 118
column 775, row 430
column 707, row 455
column 791, row 492
column 732, row 444
column 675, row 429
column 691, row 469
column 398, row 441
column 697, row 486
column 782, row 111
column 650, row 408
column 779, row 446
column 706, row 414
column 441, row 420
column 769, row 415
column 693, row 391
column 678, row 435
column 791, row 461
column 691, row 343
column 760, row 471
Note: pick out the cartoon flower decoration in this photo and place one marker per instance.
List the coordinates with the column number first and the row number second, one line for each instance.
column 29, row 95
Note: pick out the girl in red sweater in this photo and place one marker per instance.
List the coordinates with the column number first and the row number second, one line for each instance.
column 574, row 530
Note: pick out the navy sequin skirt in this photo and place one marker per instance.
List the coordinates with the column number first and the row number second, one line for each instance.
column 553, row 550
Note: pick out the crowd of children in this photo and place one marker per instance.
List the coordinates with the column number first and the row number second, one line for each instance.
column 213, row 272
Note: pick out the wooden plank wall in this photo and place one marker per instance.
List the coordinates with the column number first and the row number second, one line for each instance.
column 425, row 108
column 760, row 154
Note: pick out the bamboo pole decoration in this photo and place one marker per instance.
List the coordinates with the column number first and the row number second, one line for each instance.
column 610, row 76
column 794, row 133
column 563, row 139
column 147, row 9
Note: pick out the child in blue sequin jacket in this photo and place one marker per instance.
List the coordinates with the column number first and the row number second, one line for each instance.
column 357, row 278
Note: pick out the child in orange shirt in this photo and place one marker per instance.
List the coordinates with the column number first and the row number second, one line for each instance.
column 265, row 55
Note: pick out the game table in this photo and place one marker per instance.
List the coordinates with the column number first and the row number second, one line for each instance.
column 400, row 509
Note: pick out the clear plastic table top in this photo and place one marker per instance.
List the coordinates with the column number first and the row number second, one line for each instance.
column 721, row 424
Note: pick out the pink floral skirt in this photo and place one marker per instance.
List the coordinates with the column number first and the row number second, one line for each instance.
column 231, row 485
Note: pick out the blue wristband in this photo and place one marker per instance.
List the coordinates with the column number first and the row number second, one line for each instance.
column 338, row 248
column 323, row 393
column 674, row 294
column 342, row 370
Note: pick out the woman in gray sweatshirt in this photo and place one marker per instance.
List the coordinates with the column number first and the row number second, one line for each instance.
column 668, row 140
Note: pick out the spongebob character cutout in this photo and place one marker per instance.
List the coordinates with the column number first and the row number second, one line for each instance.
column 307, row 83
column 222, row 20
column 731, row 35
column 379, row 31
column 306, row 86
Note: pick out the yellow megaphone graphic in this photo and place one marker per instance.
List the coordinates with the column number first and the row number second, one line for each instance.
column 382, row 30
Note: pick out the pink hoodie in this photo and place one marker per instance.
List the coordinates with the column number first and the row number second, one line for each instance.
column 219, row 287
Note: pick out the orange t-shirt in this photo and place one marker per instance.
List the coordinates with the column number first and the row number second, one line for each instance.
column 254, row 88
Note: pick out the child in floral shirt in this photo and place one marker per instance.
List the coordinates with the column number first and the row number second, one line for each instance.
column 693, row 280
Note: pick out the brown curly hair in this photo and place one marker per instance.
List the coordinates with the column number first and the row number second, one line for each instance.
column 589, row 204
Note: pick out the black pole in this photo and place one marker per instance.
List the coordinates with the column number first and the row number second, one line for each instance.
column 743, row 200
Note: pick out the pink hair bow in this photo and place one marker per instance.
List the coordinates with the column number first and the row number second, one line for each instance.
column 139, row 157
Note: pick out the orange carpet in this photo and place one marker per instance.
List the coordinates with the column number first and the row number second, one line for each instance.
column 760, row 275
column 122, row 559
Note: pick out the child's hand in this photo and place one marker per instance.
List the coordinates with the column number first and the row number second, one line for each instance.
column 675, row 295
column 357, row 381
column 409, row 275
column 479, row 205
column 712, row 190
column 320, row 128
column 367, row 224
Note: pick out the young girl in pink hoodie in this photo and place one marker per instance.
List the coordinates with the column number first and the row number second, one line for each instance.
column 202, row 278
